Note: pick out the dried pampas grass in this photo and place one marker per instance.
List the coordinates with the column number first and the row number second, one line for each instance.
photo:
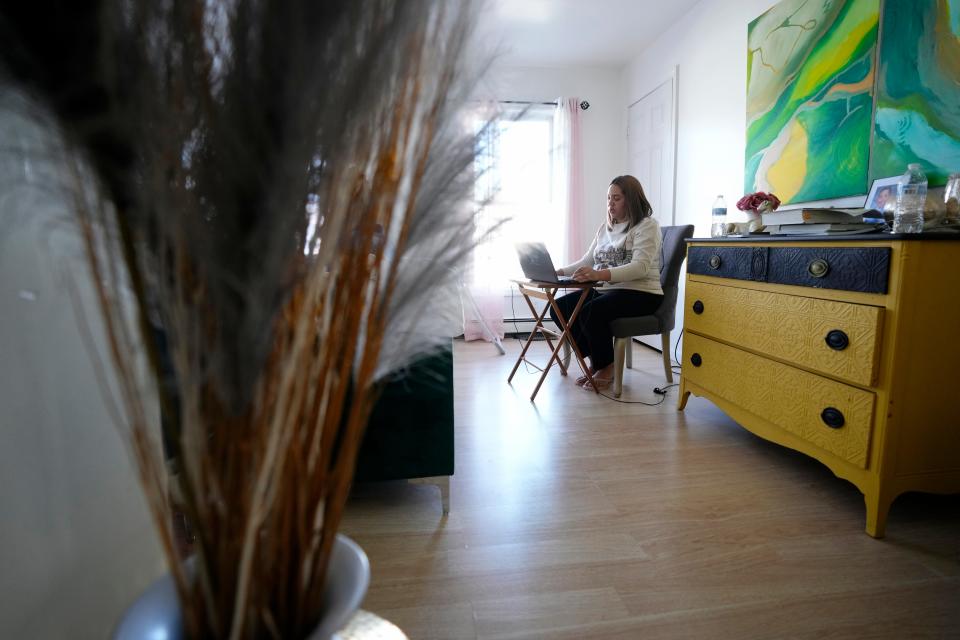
column 280, row 186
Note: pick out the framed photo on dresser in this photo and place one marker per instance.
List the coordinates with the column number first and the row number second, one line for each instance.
column 883, row 194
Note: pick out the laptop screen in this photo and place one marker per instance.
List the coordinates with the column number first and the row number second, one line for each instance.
column 536, row 262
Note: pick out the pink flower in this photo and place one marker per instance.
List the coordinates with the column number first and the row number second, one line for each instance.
column 754, row 201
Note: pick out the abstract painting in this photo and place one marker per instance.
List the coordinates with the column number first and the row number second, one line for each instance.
column 918, row 90
column 810, row 75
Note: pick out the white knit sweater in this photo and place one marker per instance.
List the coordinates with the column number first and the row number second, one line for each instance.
column 633, row 257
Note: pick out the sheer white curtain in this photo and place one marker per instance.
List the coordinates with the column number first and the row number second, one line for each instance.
column 529, row 176
column 483, row 287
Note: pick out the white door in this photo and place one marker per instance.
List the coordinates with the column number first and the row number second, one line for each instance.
column 651, row 149
column 651, row 141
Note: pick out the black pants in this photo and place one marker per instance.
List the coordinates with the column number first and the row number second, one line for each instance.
column 591, row 330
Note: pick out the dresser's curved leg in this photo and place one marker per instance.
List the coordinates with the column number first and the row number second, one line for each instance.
column 683, row 397
column 878, row 506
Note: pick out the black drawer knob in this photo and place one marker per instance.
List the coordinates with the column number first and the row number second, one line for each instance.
column 715, row 262
column 837, row 340
column 818, row 268
column 832, row 417
column 696, row 360
column 698, row 307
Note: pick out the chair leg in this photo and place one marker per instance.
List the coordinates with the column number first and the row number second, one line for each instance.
column 667, row 363
column 566, row 354
column 629, row 350
column 620, row 346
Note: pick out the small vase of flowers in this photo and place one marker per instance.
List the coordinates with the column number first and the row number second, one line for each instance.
column 755, row 204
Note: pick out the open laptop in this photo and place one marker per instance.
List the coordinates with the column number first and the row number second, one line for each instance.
column 536, row 263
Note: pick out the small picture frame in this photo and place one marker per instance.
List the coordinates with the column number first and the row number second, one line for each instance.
column 883, row 194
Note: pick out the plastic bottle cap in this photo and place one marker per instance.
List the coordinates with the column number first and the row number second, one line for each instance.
column 913, row 165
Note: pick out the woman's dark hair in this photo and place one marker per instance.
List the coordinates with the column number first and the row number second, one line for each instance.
column 638, row 207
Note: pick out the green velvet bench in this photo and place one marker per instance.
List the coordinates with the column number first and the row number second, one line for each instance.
column 410, row 433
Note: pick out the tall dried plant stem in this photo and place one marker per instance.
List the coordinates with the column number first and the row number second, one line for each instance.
column 282, row 178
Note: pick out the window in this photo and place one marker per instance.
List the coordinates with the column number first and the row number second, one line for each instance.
column 516, row 178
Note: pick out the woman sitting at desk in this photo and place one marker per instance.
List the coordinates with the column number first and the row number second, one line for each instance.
column 626, row 254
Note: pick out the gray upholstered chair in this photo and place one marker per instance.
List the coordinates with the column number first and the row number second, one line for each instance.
column 673, row 252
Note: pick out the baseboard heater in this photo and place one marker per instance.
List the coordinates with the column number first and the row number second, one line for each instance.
column 521, row 327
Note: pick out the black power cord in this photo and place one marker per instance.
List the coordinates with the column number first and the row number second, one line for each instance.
column 676, row 345
column 660, row 391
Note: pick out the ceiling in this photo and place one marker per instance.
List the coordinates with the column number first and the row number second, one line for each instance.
column 556, row 33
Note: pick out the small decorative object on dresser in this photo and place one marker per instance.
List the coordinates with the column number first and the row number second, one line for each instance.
column 883, row 195
column 840, row 336
column 755, row 205
column 951, row 200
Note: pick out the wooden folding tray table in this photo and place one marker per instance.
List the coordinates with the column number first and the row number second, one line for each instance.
column 547, row 291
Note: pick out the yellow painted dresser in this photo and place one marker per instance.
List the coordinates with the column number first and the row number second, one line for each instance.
column 845, row 349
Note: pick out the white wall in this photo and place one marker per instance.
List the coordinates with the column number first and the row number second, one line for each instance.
column 709, row 45
column 76, row 545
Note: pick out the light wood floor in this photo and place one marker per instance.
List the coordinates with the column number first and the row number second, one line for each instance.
column 580, row 517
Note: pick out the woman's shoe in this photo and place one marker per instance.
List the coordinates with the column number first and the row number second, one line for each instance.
column 582, row 379
column 602, row 384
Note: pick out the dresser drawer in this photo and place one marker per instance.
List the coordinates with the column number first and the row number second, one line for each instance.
column 838, row 339
column 831, row 415
column 864, row 269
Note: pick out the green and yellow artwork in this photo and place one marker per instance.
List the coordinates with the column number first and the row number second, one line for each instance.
column 918, row 90
column 810, row 74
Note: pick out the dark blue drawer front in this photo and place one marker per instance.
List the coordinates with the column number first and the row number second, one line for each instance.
column 864, row 269
column 722, row 262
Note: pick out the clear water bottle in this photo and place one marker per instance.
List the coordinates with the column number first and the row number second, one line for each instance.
column 911, row 198
column 718, row 226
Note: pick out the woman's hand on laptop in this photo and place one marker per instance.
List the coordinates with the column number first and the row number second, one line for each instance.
column 589, row 274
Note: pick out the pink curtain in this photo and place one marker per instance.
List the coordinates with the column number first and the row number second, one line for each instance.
column 568, row 175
